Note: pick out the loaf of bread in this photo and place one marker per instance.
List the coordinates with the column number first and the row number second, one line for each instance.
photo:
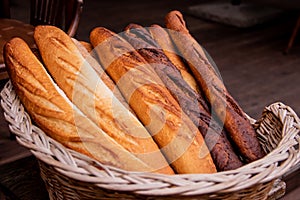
column 88, row 46
column 90, row 94
column 55, row 114
column 162, row 38
column 236, row 123
column 190, row 100
column 91, row 60
column 171, row 77
column 141, row 40
column 157, row 109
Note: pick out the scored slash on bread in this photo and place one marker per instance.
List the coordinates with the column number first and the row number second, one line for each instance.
column 162, row 38
column 190, row 100
column 91, row 60
column 55, row 114
column 235, row 121
column 152, row 102
column 90, row 94
column 133, row 104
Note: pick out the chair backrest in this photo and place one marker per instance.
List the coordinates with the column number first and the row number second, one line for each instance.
column 64, row 14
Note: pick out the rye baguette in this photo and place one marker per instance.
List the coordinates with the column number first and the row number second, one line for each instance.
column 163, row 39
column 227, row 109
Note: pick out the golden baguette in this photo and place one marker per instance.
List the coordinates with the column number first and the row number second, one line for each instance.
column 191, row 102
column 227, row 109
column 176, row 135
column 88, row 46
column 91, row 95
column 55, row 114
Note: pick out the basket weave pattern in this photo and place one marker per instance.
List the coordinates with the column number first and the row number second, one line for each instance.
column 70, row 175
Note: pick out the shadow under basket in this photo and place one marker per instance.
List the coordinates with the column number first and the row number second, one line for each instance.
column 70, row 175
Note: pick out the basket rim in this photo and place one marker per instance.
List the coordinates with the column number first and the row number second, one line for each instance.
column 82, row 168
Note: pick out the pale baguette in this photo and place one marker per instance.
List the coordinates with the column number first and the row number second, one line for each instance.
column 91, row 95
column 54, row 113
column 89, row 57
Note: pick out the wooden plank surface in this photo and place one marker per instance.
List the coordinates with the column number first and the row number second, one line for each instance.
column 22, row 180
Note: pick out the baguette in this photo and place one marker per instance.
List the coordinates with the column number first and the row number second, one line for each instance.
column 87, row 46
column 227, row 109
column 89, row 58
column 55, row 114
column 141, row 40
column 162, row 38
column 89, row 93
column 190, row 101
column 175, row 134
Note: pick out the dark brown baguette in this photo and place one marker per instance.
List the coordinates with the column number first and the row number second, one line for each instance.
column 227, row 109
column 57, row 116
column 163, row 39
column 154, row 105
column 144, row 44
column 190, row 101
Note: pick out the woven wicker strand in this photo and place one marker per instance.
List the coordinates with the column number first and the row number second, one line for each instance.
column 70, row 175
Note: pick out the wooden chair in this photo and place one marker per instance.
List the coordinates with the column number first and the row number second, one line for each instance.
column 64, row 14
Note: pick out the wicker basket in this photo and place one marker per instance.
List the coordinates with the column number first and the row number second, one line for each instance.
column 70, row 175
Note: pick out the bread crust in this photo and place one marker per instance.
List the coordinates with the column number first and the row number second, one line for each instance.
column 55, row 114
column 191, row 102
column 161, row 36
column 89, row 57
column 90, row 94
column 227, row 109
column 153, row 104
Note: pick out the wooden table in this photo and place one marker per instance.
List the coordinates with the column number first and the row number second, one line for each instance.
column 10, row 28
